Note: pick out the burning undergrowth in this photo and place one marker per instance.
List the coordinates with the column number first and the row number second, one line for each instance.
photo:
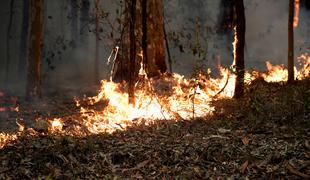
column 262, row 136
column 170, row 97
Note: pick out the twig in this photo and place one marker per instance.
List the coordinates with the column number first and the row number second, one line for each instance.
column 168, row 50
column 228, row 76
column 115, row 52
column 292, row 170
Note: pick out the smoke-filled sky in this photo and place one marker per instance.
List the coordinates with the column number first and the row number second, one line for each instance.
column 73, row 66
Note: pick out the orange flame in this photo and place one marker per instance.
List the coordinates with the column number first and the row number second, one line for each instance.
column 296, row 14
column 170, row 97
column 6, row 138
column 55, row 125
column 235, row 45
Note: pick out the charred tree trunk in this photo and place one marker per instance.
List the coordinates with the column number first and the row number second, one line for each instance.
column 33, row 87
column 290, row 63
column 74, row 22
column 97, row 18
column 8, row 38
column 84, row 20
column 132, row 63
column 239, row 48
column 24, row 39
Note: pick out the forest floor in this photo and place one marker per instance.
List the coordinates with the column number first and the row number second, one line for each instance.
column 265, row 135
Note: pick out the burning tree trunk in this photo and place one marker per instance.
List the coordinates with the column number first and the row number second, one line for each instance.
column 290, row 63
column 24, row 39
column 239, row 47
column 97, row 18
column 8, row 38
column 33, row 89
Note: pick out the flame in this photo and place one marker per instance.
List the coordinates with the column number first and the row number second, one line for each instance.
column 235, row 45
column 56, row 125
column 278, row 73
column 304, row 62
column 5, row 139
column 20, row 126
column 170, row 97
column 296, row 13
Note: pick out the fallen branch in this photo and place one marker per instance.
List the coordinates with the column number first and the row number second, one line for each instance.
column 292, row 170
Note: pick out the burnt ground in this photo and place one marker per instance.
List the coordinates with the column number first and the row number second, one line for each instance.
column 262, row 136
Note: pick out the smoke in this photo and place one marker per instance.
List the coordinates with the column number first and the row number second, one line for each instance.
column 192, row 24
column 266, row 33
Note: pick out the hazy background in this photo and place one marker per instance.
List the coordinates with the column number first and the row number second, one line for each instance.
column 195, row 22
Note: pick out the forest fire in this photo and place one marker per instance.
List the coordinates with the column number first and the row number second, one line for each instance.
column 170, row 97
column 151, row 89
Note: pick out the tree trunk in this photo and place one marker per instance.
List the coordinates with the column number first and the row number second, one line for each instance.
column 63, row 15
column 132, row 63
column 155, row 41
column 74, row 22
column 8, row 38
column 33, row 88
column 24, row 39
column 226, row 16
column 97, row 9
column 305, row 3
column 290, row 63
column 144, row 33
column 149, row 38
column 84, row 21
column 239, row 48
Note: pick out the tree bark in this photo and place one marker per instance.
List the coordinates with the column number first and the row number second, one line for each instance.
column 144, row 33
column 24, row 39
column 290, row 63
column 226, row 17
column 239, row 49
column 97, row 18
column 149, row 38
column 84, row 21
column 132, row 63
column 8, row 44
column 156, row 37
column 33, row 87
column 74, row 22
